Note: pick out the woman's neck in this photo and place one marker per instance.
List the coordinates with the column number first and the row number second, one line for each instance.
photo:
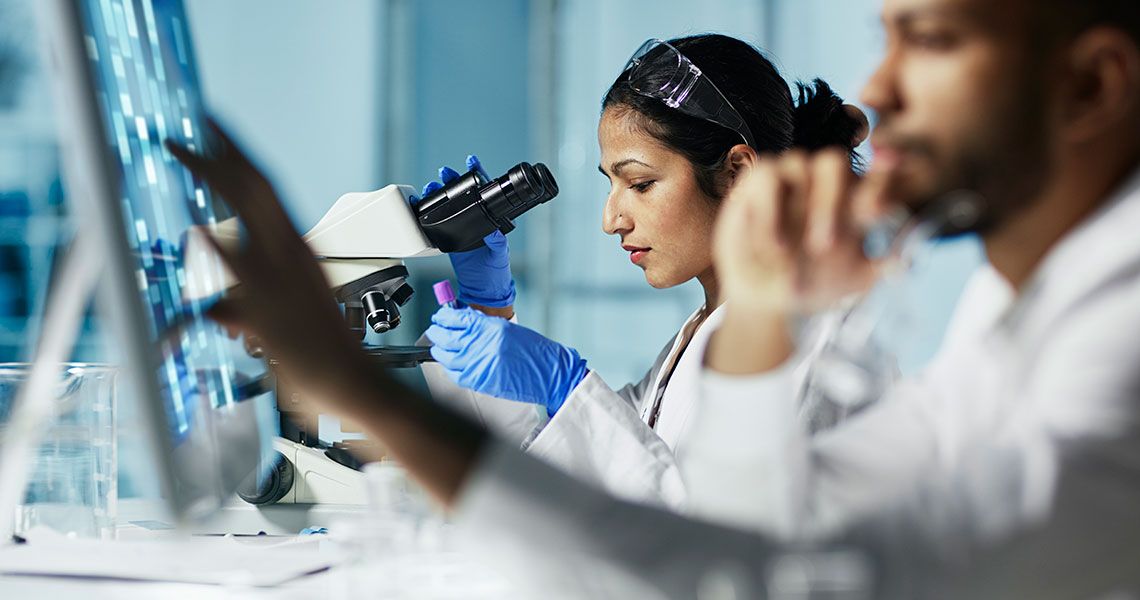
column 711, row 287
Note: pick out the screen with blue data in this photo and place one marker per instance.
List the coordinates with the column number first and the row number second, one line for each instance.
column 147, row 92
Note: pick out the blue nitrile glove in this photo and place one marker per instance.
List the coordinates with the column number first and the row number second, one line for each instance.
column 493, row 356
column 484, row 273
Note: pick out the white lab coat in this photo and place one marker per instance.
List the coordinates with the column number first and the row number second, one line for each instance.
column 600, row 434
column 1018, row 379
column 1010, row 469
column 603, row 435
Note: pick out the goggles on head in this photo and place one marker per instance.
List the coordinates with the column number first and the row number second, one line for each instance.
column 658, row 70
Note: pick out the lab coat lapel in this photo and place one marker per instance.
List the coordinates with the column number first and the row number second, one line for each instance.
column 654, row 397
column 681, row 390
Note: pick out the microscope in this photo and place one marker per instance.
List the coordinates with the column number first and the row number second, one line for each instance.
column 361, row 244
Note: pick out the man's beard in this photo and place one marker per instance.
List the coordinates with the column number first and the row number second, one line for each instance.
column 1003, row 182
column 994, row 174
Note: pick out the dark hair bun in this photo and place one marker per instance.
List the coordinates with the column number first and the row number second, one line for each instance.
column 822, row 120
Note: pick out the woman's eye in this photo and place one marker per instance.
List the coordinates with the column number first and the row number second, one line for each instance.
column 643, row 186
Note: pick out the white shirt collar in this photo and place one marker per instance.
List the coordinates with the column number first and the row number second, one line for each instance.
column 1095, row 252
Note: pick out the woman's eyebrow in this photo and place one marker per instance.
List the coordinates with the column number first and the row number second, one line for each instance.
column 619, row 165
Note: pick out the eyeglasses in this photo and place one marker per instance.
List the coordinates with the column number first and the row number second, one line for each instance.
column 658, row 70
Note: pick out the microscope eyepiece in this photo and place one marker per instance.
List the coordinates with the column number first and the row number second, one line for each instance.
column 528, row 186
column 459, row 215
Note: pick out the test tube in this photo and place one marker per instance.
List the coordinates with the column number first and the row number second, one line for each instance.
column 444, row 294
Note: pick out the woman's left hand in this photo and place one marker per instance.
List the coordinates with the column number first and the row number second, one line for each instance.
column 484, row 274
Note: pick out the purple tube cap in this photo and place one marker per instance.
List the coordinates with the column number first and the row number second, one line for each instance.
column 444, row 295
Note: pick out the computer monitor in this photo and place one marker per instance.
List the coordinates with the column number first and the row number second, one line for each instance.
column 127, row 81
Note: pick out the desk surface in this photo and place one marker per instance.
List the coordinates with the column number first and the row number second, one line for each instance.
column 364, row 568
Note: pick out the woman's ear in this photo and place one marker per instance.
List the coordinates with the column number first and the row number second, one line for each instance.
column 740, row 158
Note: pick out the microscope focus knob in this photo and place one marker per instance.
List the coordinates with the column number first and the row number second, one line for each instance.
column 253, row 346
column 402, row 294
column 382, row 314
column 271, row 488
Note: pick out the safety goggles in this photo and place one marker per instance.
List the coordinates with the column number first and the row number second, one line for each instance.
column 658, row 70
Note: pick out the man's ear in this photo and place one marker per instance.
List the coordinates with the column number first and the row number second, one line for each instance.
column 1102, row 88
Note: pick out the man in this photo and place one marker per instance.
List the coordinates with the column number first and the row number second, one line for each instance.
column 1031, row 105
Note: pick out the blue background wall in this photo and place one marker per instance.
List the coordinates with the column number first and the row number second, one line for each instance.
column 387, row 91
column 351, row 95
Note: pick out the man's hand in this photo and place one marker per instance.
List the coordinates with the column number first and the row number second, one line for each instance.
column 285, row 301
column 788, row 243
column 283, row 298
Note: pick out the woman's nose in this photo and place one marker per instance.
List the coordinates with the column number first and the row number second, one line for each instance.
column 614, row 221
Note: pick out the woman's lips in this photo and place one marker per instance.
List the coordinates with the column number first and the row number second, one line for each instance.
column 636, row 253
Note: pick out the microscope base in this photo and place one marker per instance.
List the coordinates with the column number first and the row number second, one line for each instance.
column 317, row 479
column 240, row 518
column 323, row 492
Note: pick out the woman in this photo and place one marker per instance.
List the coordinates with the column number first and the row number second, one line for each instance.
column 676, row 126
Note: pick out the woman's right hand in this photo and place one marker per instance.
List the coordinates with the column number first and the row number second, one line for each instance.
column 484, row 274
column 491, row 355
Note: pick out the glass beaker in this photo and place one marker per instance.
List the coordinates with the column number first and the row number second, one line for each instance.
column 858, row 362
column 73, row 485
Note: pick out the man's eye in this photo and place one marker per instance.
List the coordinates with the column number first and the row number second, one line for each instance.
column 931, row 40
